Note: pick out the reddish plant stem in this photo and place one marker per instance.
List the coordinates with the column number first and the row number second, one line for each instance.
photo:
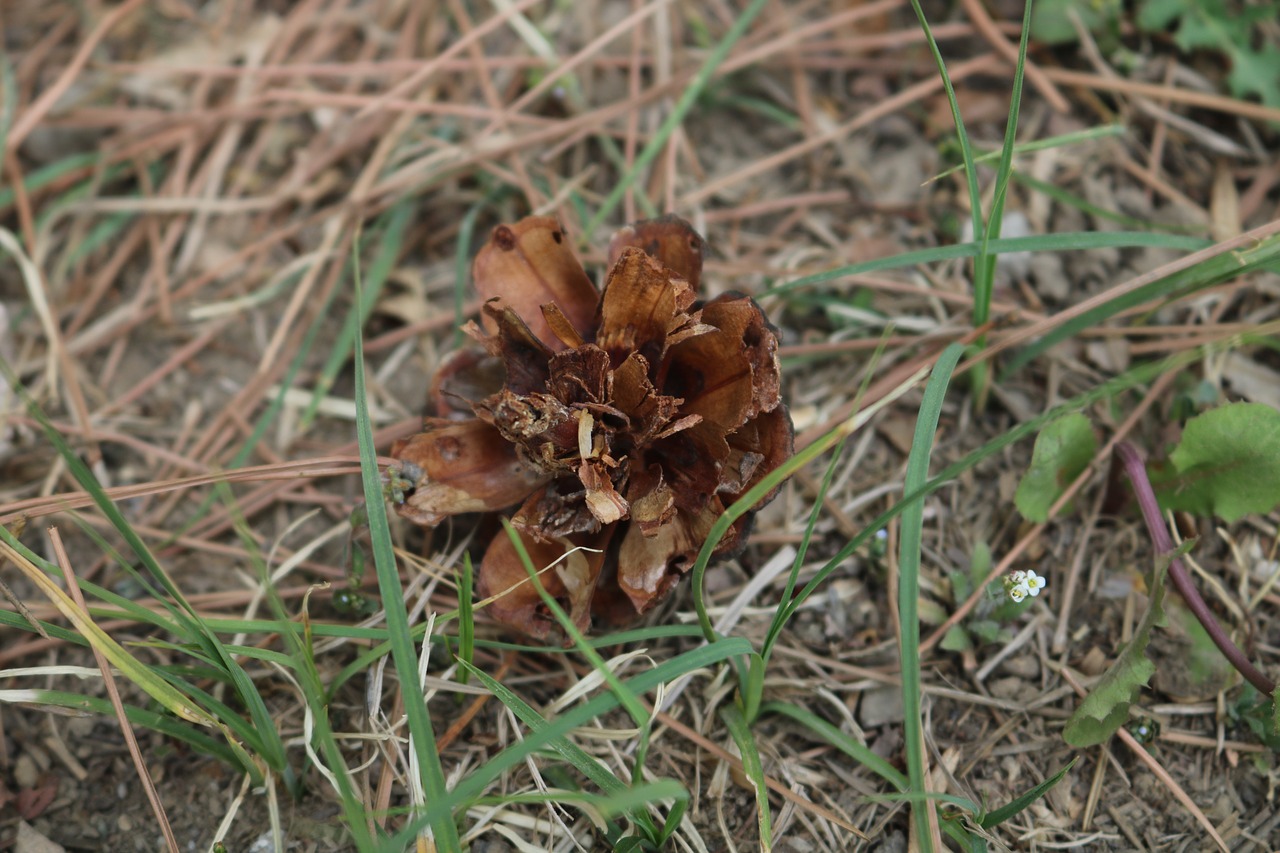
column 1136, row 471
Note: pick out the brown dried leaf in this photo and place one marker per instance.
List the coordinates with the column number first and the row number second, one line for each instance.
column 561, row 327
column 467, row 466
column 669, row 239
column 530, row 264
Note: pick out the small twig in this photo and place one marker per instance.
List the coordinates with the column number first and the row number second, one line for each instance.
column 38, row 110
column 1136, row 471
column 987, row 27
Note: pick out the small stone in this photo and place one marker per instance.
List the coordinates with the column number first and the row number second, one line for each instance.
column 1025, row 667
column 880, row 706
column 29, row 840
column 25, row 772
column 1012, row 689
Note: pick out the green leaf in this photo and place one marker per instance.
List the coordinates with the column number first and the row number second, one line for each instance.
column 979, row 564
column 1107, row 707
column 1051, row 19
column 1159, row 14
column 1062, row 451
column 590, row 767
column 1212, row 25
column 1255, row 74
column 1227, row 465
column 956, row 640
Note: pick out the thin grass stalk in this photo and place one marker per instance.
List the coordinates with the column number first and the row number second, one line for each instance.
column 466, row 617
column 741, row 733
column 391, row 227
column 1137, row 375
column 980, row 260
column 268, row 738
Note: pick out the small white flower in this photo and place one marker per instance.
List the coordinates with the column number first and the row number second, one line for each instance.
column 1017, row 586
column 1034, row 583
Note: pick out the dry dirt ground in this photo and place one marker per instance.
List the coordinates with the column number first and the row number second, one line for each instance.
column 196, row 174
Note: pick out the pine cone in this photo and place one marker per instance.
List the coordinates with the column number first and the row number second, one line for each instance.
column 624, row 422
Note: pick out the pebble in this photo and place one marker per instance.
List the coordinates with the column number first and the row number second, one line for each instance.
column 25, row 772
column 880, row 706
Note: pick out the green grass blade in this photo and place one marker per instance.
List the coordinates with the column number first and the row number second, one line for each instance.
column 45, row 175
column 193, row 627
column 638, row 795
column 909, row 580
column 1005, row 812
column 980, row 260
column 165, row 724
column 466, row 616
column 982, row 287
column 1063, row 140
column 1137, row 375
column 1219, row 268
column 752, row 769
column 1068, row 199
column 131, row 668
column 473, row 786
column 8, row 100
column 840, row 741
column 632, row 799
column 601, row 776
column 462, row 266
column 403, row 652
column 274, row 407
column 778, row 622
